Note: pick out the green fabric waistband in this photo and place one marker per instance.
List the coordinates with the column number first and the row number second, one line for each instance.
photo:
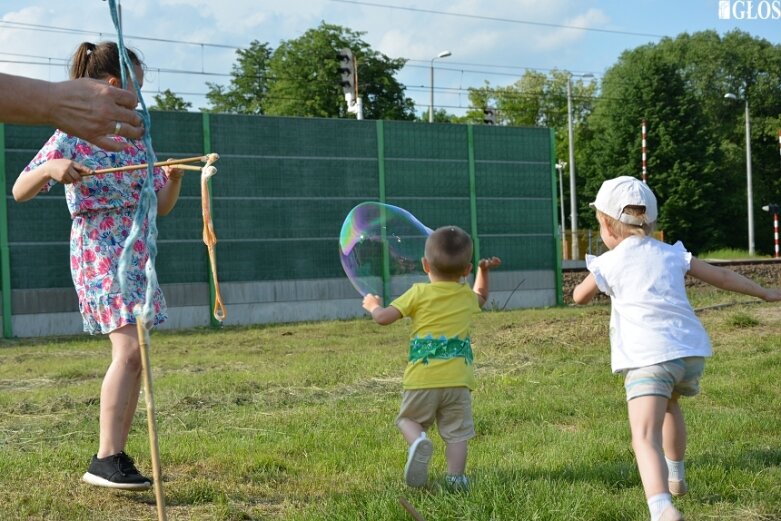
column 440, row 348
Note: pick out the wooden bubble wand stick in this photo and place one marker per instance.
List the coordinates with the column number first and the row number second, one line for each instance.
column 208, row 159
column 157, row 474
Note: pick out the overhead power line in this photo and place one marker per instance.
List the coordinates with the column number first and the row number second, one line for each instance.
column 54, row 29
column 504, row 20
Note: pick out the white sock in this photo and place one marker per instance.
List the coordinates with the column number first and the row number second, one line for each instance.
column 657, row 504
column 422, row 435
column 675, row 470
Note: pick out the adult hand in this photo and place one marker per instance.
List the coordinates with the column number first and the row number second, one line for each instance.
column 93, row 110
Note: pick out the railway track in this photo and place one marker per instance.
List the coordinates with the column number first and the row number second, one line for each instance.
column 765, row 271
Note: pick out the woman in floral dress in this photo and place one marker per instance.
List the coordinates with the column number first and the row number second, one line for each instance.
column 102, row 208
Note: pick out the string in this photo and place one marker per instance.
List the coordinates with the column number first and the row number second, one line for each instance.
column 147, row 204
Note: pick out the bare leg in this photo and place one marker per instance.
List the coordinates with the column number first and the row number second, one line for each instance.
column 646, row 417
column 674, row 431
column 410, row 430
column 119, row 393
column 456, row 458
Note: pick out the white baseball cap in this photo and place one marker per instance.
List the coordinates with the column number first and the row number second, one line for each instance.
column 616, row 194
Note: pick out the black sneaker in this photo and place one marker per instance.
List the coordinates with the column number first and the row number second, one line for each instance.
column 116, row 471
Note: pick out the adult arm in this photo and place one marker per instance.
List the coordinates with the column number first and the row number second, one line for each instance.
column 86, row 108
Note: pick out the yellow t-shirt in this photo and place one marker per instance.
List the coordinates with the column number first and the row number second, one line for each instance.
column 440, row 348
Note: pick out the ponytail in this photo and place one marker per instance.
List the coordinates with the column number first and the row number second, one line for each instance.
column 98, row 61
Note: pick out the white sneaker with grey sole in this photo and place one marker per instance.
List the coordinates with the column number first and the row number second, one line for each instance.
column 416, row 469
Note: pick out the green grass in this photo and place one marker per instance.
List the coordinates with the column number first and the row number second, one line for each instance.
column 730, row 254
column 295, row 422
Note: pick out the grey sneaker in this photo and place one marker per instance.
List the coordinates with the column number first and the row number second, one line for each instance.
column 671, row 514
column 678, row 487
column 419, row 455
column 115, row 471
column 458, row 483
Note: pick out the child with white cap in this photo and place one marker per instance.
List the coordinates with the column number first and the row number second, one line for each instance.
column 656, row 340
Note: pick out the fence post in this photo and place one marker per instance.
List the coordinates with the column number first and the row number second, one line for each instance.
column 207, row 149
column 386, row 276
column 470, row 135
column 5, row 254
column 558, row 245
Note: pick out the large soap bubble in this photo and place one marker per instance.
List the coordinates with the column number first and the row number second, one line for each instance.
column 378, row 242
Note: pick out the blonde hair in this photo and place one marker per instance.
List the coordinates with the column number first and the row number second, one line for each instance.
column 449, row 251
column 622, row 229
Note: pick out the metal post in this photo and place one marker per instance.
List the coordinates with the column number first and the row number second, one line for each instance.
column 431, row 97
column 644, row 151
column 443, row 54
column 773, row 208
column 573, row 205
column 560, row 167
column 750, row 191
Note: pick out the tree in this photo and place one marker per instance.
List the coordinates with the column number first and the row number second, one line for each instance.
column 167, row 100
column 696, row 150
column 249, row 83
column 306, row 78
column 536, row 99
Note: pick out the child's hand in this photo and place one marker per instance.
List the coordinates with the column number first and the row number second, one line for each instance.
column 490, row 263
column 371, row 302
column 173, row 173
column 66, row 171
column 772, row 295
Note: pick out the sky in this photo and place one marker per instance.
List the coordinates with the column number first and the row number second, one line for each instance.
column 186, row 43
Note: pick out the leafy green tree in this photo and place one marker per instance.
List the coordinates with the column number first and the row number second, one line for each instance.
column 696, row 149
column 167, row 100
column 249, row 83
column 537, row 99
column 441, row 116
column 306, row 77
column 646, row 86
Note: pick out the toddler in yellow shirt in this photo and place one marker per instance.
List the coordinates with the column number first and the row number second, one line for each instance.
column 439, row 377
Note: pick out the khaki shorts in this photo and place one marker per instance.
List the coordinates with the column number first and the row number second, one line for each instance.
column 450, row 407
column 681, row 376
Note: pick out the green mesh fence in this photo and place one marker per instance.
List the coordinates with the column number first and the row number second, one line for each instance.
column 285, row 185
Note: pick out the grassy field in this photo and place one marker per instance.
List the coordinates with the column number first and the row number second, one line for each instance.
column 295, row 422
column 730, row 254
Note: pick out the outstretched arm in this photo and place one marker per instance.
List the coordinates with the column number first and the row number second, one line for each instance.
column 380, row 314
column 729, row 280
column 586, row 290
column 86, row 108
column 481, row 286
column 65, row 171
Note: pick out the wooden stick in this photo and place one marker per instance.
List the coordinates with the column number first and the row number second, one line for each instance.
column 409, row 508
column 143, row 336
column 196, row 159
column 190, row 167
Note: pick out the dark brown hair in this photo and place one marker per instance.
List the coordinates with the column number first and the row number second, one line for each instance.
column 449, row 251
column 99, row 61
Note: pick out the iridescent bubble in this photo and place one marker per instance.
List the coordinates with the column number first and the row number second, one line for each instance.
column 379, row 244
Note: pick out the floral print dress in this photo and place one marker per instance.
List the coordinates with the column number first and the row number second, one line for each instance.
column 102, row 208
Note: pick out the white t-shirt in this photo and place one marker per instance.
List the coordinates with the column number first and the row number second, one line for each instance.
column 651, row 320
